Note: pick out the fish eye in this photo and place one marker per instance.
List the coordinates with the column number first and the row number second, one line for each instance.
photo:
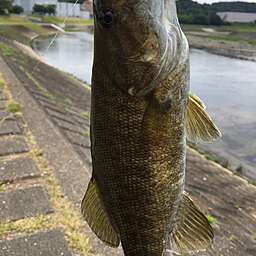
column 107, row 18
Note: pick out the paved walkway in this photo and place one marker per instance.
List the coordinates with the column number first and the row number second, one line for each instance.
column 55, row 109
column 29, row 201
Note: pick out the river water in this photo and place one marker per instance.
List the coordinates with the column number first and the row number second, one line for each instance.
column 226, row 85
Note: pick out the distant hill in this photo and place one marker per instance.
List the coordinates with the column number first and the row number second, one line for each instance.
column 184, row 5
column 190, row 12
column 233, row 7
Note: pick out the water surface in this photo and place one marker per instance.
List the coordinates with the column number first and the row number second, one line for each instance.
column 228, row 88
column 226, row 85
column 71, row 52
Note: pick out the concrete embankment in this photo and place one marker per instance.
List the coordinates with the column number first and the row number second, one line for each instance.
column 56, row 110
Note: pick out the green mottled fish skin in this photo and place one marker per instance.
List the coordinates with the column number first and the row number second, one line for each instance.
column 137, row 135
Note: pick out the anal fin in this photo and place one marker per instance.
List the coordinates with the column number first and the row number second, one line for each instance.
column 192, row 231
column 96, row 216
column 198, row 124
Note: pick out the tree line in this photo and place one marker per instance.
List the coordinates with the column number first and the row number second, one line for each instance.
column 37, row 8
column 43, row 9
column 190, row 12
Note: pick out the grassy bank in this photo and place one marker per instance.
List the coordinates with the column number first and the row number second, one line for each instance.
column 23, row 30
column 58, row 20
column 225, row 37
column 223, row 162
column 237, row 27
column 13, row 19
column 20, row 29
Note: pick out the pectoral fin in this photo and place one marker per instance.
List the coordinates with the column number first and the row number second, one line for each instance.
column 198, row 124
column 192, row 232
column 95, row 215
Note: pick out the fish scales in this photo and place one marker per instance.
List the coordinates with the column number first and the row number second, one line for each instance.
column 141, row 177
column 140, row 117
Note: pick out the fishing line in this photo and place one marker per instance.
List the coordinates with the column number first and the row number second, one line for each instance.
column 47, row 48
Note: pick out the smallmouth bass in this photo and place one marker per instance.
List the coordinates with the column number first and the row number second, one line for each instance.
column 141, row 114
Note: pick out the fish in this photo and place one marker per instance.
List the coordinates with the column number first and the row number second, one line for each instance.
column 141, row 114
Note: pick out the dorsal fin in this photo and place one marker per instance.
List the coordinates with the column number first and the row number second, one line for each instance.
column 95, row 215
column 198, row 124
column 192, row 232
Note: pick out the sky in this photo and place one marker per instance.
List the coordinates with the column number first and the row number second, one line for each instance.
column 215, row 1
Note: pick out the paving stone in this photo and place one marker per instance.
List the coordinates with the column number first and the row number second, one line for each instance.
column 85, row 153
column 2, row 96
column 86, row 128
column 77, row 113
column 40, row 94
column 34, row 89
column 12, row 146
column 60, row 116
column 17, row 168
column 20, row 203
column 6, row 114
column 68, row 126
column 82, row 119
column 2, row 105
column 51, row 106
column 1, row 89
column 43, row 98
column 45, row 243
column 9, row 128
column 81, row 140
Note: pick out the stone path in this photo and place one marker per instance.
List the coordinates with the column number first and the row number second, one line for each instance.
column 47, row 243
column 16, row 204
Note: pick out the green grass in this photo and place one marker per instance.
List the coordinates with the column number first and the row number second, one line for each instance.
column 239, row 170
column 2, row 82
column 249, row 27
column 14, row 34
column 7, row 29
column 206, row 154
column 253, row 182
column 214, row 159
column 14, row 107
column 12, row 19
column 225, row 164
column 85, row 113
column 211, row 220
column 58, row 19
column 86, row 132
column 9, row 50
column 227, row 38
column 60, row 103
column 43, row 90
